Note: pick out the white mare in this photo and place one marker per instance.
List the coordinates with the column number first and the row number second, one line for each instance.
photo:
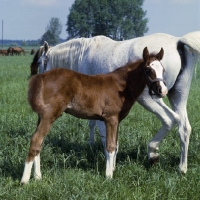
column 101, row 54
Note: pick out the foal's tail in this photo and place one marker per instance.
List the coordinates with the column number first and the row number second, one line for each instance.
column 35, row 98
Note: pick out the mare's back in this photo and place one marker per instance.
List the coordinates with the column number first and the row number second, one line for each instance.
column 108, row 56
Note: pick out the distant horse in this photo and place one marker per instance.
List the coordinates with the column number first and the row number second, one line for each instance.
column 10, row 51
column 18, row 51
column 108, row 97
column 4, row 52
column 32, row 52
column 101, row 55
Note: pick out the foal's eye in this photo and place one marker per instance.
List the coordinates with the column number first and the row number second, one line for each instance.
column 148, row 71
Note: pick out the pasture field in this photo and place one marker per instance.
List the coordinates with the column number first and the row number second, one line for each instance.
column 72, row 169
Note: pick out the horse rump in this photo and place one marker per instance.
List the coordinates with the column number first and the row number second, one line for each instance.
column 34, row 92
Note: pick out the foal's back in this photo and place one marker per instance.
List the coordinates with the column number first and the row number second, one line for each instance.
column 83, row 96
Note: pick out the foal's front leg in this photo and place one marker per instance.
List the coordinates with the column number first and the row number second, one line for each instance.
column 111, row 145
column 34, row 151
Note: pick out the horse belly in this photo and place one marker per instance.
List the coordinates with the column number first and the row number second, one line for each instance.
column 83, row 114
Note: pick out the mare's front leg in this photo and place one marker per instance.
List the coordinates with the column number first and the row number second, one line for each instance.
column 111, row 145
column 34, row 150
column 92, row 125
column 168, row 118
column 102, row 131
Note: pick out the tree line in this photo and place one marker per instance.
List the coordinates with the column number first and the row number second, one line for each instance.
column 117, row 19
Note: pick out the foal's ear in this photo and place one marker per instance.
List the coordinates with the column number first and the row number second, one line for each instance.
column 145, row 54
column 159, row 56
column 46, row 46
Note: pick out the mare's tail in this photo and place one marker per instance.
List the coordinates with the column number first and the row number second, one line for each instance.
column 193, row 41
column 35, row 98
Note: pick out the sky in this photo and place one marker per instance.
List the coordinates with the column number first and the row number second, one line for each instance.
column 28, row 19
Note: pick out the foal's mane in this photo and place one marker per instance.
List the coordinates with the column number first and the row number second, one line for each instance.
column 130, row 66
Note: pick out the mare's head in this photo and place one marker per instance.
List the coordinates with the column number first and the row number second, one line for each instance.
column 154, row 71
column 43, row 63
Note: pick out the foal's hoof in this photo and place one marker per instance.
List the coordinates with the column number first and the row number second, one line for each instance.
column 154, row 160
column 23, row 183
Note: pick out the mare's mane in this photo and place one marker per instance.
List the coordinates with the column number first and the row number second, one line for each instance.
column 72, row 51
column 35, row 58
column 34, row 66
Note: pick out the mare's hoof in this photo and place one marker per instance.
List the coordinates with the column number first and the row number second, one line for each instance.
column 154, row 160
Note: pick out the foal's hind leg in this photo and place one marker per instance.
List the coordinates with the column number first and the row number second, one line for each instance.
column 178, row 97
column 111, row 145
column 35, row 148
column 37, row 170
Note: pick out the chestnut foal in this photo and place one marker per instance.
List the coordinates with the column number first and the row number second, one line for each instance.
column 107, row 97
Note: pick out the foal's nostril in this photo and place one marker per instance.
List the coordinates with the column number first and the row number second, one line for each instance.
column 159, row 90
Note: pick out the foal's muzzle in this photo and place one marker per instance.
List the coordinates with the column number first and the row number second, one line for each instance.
column 158, row 89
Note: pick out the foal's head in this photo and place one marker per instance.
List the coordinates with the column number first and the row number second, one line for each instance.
column 154, row 73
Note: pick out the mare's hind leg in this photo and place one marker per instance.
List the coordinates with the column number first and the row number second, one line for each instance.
column 178, row 97
column 168, row 118
column 35, row 148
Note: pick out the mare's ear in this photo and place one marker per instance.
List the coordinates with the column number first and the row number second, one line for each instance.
column 145, row 54
column 46, row 46
column 160, row 55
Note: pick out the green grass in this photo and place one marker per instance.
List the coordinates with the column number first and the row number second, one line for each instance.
column 72, row 169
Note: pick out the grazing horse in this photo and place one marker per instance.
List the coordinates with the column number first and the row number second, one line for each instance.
column 4, row 52
column 108, row 97
column 32, row 52
column 10, row 51
column 101, row 55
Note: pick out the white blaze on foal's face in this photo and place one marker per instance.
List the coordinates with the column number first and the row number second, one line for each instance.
column 159, row 70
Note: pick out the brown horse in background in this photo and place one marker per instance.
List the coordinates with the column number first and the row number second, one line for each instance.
column 107, row 97
column 4, row 52
column 15, row 50
column 32, row 52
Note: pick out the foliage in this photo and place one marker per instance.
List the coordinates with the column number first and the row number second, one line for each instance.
column 119, row 20
column 24, row 43
column 53, row 31
column 72, row 169
column 14, row 44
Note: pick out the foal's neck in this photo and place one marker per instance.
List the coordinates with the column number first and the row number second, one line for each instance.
column 132, row 82
column 133, row 76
